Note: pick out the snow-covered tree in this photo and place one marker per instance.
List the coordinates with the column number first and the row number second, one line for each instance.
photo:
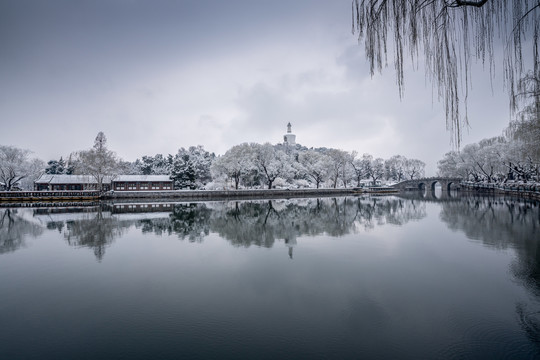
column 202, row 161
column 235, row 164
column 315, row 165
column 191, row 168
column 99, row 161
column 183, row 172
column 488, row 157
column 155, row 165
column 449, row 165
column 71, row 164
column 16, row 166
column 414, row 168
column 129, row 168
column 339, row 160
column 523, row 134
column 271, row 163
column 55, row 166
column 394, row 168
column 373, row 168
column 357, row 168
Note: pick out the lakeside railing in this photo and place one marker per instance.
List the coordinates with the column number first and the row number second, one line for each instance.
column 44, row 195
column 530, row 190
column 89, row 197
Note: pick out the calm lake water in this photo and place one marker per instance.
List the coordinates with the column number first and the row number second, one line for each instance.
column 341, row 278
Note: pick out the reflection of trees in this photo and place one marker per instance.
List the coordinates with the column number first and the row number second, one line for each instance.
column 496, row 221
column 246, row 223
column 501, row 223
column 260, row 223
column 189, row 221
column 14, row 229
column 389, row 210
column 95, row 230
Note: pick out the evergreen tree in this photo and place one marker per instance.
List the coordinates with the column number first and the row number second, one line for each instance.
column 183, row 173
column 55, row 167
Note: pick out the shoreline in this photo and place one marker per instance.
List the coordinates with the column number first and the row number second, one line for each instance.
column 519, row 190
column 91, row 198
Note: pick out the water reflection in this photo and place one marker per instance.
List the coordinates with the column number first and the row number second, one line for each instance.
column 88, row 227
column 382, row 289
column 496, row 221
column 15, row 228
column 503, row 223
column 242, row 223
column 95, row 230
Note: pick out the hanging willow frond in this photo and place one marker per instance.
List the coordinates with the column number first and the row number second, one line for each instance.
column 450, row 33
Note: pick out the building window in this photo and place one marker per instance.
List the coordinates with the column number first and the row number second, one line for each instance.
column 144, row 186
column 131, row 186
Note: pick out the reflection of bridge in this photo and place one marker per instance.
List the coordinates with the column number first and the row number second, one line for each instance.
column 431, row 196
column 428, row 184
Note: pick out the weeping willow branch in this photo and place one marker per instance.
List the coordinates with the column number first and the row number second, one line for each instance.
column 450, row 34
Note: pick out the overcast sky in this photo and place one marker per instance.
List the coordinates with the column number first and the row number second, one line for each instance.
column 158, row 75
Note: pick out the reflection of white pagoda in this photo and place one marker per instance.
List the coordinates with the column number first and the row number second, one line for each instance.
column 290, row 238
column 289, row 138
column 290, row 244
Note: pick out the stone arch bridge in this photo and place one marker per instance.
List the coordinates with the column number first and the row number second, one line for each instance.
column 428, row 184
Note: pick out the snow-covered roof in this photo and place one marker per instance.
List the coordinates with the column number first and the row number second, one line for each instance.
column 69, row 179
column 141, row 178
column 88, row 179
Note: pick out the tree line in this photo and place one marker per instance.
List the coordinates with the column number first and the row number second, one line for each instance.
column 247, row 165
column 514, row 155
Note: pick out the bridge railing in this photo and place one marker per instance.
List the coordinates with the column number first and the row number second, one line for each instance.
column 428, row 180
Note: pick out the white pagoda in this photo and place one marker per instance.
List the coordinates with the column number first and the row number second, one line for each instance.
column 289, row 138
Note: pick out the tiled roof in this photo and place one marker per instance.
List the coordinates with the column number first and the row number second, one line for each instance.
column 88, row 179
column 69, row 179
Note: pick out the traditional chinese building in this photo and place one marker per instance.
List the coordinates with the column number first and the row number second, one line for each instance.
column 142, row 183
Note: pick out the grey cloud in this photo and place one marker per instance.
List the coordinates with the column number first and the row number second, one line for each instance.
column 132, row 69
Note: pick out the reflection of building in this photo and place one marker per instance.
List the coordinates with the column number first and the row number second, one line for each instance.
column 119, row 183
column 289, row 138
column 121, row 208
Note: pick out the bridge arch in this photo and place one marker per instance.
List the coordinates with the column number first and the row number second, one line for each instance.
column 429, row 184
column 451, row 185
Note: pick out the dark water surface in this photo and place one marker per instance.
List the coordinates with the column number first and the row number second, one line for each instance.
column 345, row 278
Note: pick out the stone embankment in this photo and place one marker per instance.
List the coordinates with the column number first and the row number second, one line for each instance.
column 78, row 198
column 525, row 190
column 227, row 194
column 48, row 198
